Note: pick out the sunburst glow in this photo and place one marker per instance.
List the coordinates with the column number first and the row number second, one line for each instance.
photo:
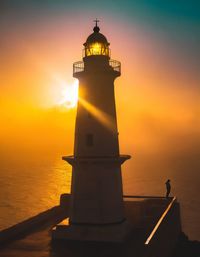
column 69, row 96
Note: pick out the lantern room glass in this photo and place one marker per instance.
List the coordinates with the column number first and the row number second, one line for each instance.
column 97, row 48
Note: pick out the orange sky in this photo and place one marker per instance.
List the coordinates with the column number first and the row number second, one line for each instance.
column 157, row 95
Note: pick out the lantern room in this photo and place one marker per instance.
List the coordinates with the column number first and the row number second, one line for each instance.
column 96, row 44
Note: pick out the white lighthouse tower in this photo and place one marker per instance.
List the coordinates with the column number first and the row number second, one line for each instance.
column 96, row 206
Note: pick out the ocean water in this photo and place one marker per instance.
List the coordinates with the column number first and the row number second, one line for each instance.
column 29, row 185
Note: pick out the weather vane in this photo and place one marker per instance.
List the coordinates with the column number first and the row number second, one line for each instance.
column 96, row 21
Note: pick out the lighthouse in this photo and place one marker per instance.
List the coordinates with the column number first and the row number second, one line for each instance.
column 96, row 202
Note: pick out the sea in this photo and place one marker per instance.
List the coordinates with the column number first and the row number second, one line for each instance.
column 32, row 184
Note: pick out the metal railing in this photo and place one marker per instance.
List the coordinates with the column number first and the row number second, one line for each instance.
column 116, row 65
column 79, row 66
column 160, row 221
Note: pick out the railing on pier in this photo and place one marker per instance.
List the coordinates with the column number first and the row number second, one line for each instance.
column 161, row 233
column 160, row 221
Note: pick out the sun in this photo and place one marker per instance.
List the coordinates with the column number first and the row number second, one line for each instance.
column 69, row 96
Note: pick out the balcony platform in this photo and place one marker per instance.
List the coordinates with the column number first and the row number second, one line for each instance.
column 96, row 159
column 155, row 221
column 113, row 65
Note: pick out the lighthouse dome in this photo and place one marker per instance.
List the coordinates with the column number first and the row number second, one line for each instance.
column 96, row 44
column 96, row 37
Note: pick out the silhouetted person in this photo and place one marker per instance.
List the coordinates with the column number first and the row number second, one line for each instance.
column 168, row 188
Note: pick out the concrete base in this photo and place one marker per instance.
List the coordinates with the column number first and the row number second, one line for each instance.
column 114, row 233
column 156, row 228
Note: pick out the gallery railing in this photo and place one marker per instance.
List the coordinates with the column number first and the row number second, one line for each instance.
column 79, row 66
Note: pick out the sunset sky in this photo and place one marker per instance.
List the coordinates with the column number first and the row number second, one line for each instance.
column 157, row 96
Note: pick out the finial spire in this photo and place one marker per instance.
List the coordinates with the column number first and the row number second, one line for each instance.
column 96, row 28
column 96, row 22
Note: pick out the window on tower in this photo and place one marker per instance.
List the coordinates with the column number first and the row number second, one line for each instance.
column 89, row 140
